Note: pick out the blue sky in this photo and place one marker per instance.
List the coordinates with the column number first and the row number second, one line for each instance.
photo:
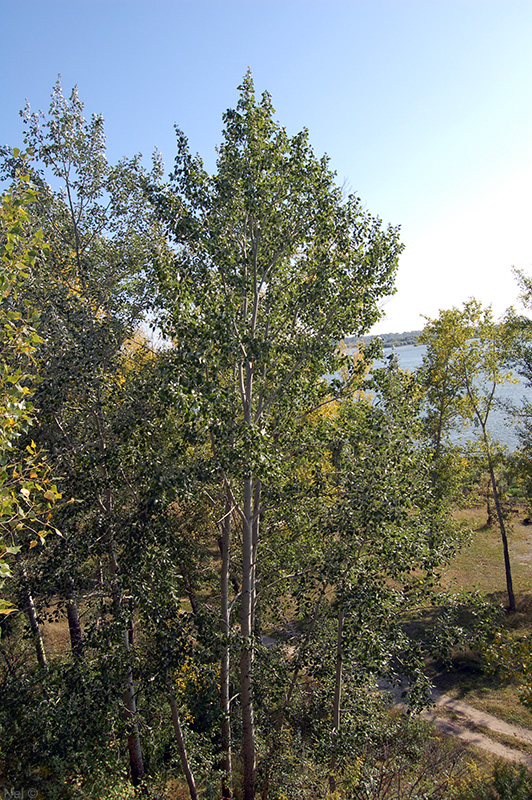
column 424, row 107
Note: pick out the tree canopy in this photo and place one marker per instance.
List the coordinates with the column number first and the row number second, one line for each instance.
column 249, row 518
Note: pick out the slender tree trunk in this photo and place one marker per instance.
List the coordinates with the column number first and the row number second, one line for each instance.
column 31, row 614
column 187, row 585
column 257, row 490
column 136, row 763
column 434, row 473
column 489, row 515
column 74, row 624
column 246, row 654
column 182, row 749
column 502, row 527
column 337, row 696
column 181, row 745
column 135, row 752
column 225, row 689
column 281, row 713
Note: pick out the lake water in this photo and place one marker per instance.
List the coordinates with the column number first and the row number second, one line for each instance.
column 502, row 425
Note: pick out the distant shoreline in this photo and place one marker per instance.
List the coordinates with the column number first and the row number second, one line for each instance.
column 387, row 339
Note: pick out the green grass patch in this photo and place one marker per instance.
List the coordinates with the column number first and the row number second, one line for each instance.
column 480, row 564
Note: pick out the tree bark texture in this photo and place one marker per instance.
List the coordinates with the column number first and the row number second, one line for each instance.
column 246, row 654
column 181, row 746
column 31, row 615
column 74, row 624
column 337, row 696
column 136, row 763
column 225, row 688
column 504, row 538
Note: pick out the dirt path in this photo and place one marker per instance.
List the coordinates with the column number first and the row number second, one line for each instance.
column 468, row 718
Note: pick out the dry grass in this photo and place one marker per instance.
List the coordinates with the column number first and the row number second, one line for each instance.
column 56, row 637
column 480, row 564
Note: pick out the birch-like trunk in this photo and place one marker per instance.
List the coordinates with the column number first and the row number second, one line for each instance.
column 482, row 420
column 225, row 688
column 31, row 615
column 246, row 654
column 136, row 763
column 337, row 697
column 502, row 528
column 178, row 730
column 74, row 624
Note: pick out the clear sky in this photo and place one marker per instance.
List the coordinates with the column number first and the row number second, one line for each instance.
column 424, row 107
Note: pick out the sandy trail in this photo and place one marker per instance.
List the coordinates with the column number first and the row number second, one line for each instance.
column 468, row 716
column 466, row 719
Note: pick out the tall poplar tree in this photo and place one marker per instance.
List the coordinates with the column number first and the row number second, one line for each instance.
column 273, row 266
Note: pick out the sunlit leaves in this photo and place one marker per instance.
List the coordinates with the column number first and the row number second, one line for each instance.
column 272, row 268
column 26, row 489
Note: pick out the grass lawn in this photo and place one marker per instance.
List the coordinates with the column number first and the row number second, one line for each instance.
column 480, row 564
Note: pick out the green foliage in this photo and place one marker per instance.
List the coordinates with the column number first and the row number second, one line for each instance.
column 272, row 269
column 365, row 544
column 73, row 743
column 463, row 620
column 511, row 659
column 520, row 357
column 89, row 289
column 466, row 361
column 27, row 491
column 319, row 488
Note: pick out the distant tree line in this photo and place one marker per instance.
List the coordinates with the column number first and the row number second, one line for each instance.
column 387, row 339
